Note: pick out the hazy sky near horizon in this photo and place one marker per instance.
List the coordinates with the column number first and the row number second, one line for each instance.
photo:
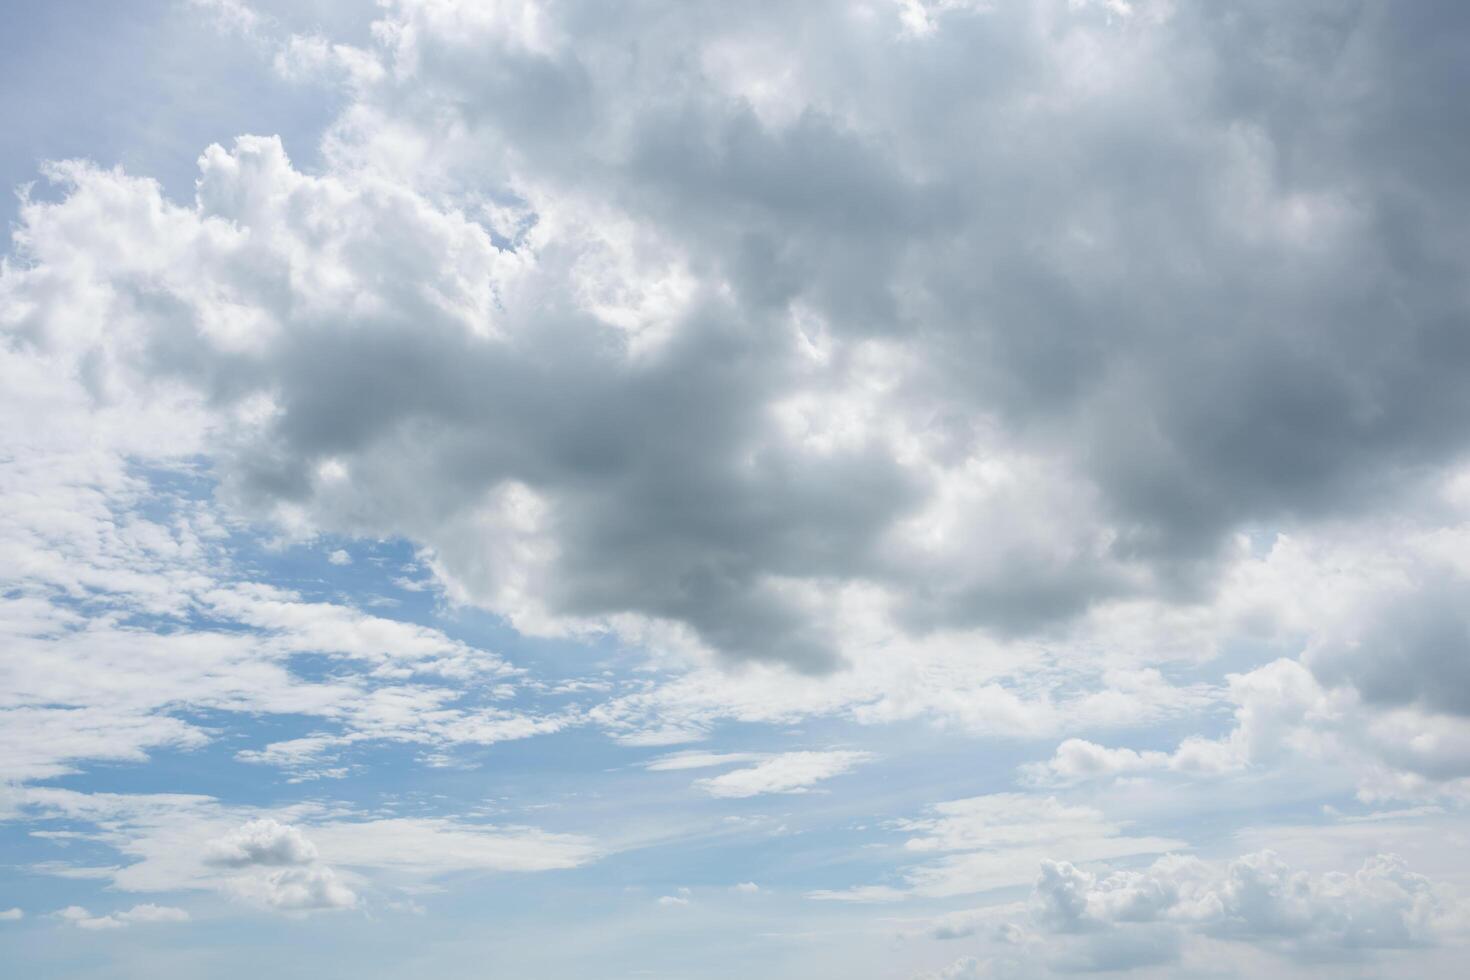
column 915, row 489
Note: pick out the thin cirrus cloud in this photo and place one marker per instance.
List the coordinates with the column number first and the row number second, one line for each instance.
column 789, row 772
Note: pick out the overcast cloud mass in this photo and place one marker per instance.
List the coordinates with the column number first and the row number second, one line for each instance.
column 918, row 489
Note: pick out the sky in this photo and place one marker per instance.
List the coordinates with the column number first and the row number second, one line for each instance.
column 914, row 489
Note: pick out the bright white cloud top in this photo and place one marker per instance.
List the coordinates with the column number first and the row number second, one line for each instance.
column 485, row 483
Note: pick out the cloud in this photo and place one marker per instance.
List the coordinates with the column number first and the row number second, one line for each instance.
column 1136, row 918
column 116, row 561
column 293, row 859
column 761, row 358
column 12, row 915
column 681, row 898
column 1285, row 719
column 306, row 889
column 964, row 968
column 986, row 843
column 262, row 842
column 1189, row 914
column 662, row 359
column 153, row 913
column 673, row 374
column 677, row 761
column 789, row 772
column 1411, row 648
column 149, row 913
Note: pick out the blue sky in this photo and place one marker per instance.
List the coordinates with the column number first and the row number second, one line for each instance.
column 922, row 490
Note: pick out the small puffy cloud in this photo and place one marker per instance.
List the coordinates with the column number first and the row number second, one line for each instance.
column 82, row 919
column 12, row 915
column 682, row 897
column 746, row 888
column 1077, row 759
column 262, row 842
column 789, row 772
column 340, row 557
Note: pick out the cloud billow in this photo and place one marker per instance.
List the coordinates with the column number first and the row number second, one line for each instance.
column 1006, row 311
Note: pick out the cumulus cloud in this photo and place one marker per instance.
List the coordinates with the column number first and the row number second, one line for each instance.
column 12, row 915
column 995, row 365
column 648, row 367
column 1286, row 719
column 295, row 890
column 262, row 842
column 1255, row 898
column 705, row 360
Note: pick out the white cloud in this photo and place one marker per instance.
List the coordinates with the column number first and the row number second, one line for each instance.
column 988, row 843
column 1255, row 898
column 681, row 898
column 297, row 858
column 148, row 913
column 789, row 772
column 153, row 913
column 1285, row 719
column 305, row 889
column 339, row 557
column 262, row 842
column 12, row 915
column 677, row 761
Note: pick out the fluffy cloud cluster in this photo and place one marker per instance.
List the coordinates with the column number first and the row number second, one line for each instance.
column 806, row 372
column 1255, row 898
column 641, row 342
column 996, row 365
column 1378, row 696
column 1187, row 913
column 262, row 842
